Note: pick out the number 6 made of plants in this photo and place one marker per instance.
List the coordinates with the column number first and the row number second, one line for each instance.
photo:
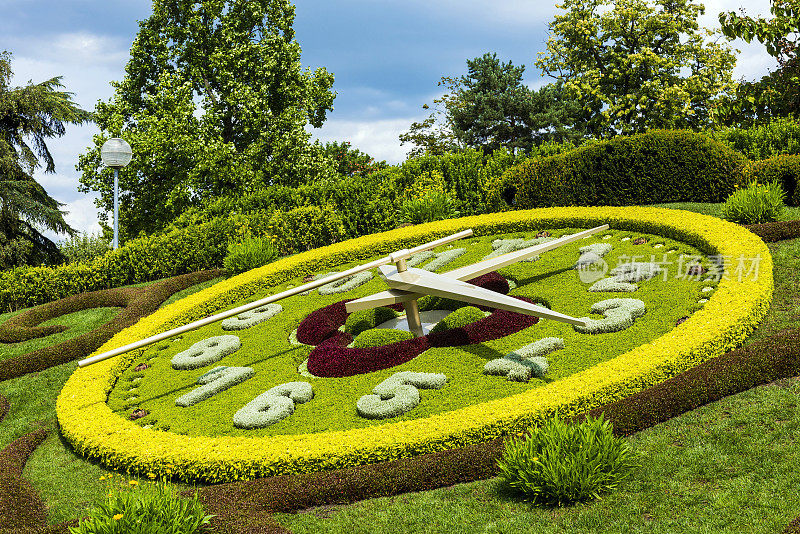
column 397, row 394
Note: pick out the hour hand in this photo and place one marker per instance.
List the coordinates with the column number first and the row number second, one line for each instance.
column 421, row 281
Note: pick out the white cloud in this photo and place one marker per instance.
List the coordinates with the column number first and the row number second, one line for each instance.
column 378, row 138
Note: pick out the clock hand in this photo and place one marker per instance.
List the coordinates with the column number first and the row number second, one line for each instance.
column 394, row 296
column 421, row 281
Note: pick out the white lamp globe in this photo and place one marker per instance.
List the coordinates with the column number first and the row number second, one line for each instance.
column 116, row 152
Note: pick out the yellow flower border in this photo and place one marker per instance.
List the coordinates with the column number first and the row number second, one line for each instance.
column 727, row 318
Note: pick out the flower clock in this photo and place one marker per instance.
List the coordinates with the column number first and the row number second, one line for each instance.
column 384, row 347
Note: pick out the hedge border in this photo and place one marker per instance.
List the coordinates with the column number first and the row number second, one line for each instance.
column 137, row 302
column 721, row 325
column 20, row 505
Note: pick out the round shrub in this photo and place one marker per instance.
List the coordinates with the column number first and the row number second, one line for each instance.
column 755, row 204
column 363, row 320
column 654, row 167
column 560, row 463
column 459, row 318
column 376, row 337
column 784, row 169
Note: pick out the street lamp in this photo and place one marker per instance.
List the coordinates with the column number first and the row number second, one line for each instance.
column 116, row 153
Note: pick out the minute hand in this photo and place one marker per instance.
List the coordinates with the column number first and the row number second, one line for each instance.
column 420, row 281
column 469, row 272
column 386, row 298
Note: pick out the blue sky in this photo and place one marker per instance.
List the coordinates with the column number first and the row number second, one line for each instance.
column 386, row 55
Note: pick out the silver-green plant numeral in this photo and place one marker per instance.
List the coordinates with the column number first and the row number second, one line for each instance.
column 273, row 405
column 397, row 394
column 529, row 361
column 252, row 317
column 213, row 382
column 619, row 314
column 205, row 352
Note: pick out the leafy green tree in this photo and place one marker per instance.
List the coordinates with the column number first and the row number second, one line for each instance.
column 351, row 161
column 778, row 93
column 435, row 134
column 623, row 60
column 490, row 108
column 214, row 102
column 28, row 117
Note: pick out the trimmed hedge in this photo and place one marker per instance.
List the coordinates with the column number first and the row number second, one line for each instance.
column 776, row 231
column 137, row 302
column 785, row 169
column 20, row 505
column 140, row 260
column 654, row 167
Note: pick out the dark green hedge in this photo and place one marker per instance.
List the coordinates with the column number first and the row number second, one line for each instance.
column 140, row 260
column 653, row 167
column 785, row 169
column 137, row 302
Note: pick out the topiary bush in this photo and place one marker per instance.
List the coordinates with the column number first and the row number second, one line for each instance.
column 459, row 318
column 755, row 204
column 784, row 169
column 560, row 463
column 362, row 320
column 655, row 167
column 376, row 337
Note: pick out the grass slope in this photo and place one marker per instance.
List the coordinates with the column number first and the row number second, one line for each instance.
column 728, row 466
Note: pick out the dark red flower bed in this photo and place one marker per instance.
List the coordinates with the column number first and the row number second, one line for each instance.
column 332, row 357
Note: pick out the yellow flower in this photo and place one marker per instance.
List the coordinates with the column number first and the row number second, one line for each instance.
column 102, row 478
column 151, row 475
column 117, row 517
column 134, row 482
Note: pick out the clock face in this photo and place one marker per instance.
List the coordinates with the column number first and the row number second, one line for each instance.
column 296, row 367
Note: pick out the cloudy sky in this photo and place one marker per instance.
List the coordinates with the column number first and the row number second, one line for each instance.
column 386, row 56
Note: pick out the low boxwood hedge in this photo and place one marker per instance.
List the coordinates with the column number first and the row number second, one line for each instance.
column 137, row 302
column 20, row 505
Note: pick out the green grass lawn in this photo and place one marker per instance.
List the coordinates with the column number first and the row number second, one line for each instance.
column 730, row 466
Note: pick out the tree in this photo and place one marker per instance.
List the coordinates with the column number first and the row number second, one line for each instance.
column 213, row 103
column 778, row 93
column 435, row 135
column 623, row 60
column 490, row 108
column 28, row 117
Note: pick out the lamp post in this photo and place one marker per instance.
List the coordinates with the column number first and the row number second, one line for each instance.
column 116, row 153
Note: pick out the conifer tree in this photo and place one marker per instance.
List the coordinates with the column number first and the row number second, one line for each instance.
column 29, row 116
